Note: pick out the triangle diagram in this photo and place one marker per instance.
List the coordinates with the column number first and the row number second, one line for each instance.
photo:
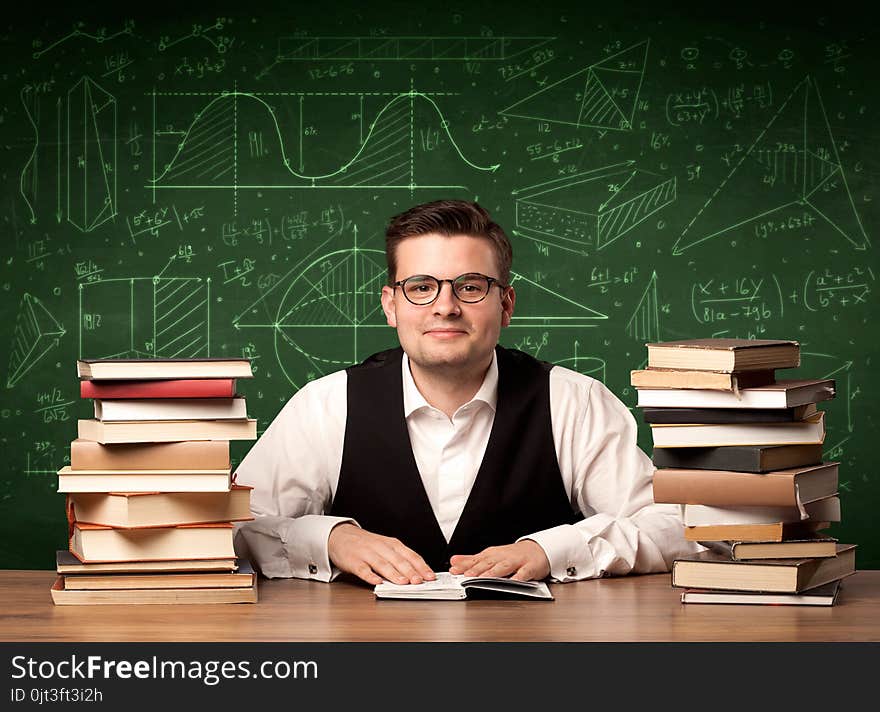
column 792, row 162
column 559, row 310
column 603, row 95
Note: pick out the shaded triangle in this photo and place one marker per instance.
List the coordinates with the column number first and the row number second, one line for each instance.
column 623, row 88
column 598, row 109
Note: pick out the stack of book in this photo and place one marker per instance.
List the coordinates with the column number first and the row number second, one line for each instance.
column 741, row 451
column 149, row 492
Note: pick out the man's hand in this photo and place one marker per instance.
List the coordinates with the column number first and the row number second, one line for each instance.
column 526, row 560
column 371, row 556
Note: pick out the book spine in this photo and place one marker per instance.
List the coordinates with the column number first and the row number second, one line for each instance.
column 741, row 459
column 187, row 455
column 722, row 488
column 188, row 388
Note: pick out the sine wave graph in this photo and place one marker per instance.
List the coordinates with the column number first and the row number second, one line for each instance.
column 236, row 142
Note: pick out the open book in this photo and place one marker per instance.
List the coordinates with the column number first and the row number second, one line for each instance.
column 454, row 587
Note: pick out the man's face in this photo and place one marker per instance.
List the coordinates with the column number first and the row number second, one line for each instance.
column 448, row 333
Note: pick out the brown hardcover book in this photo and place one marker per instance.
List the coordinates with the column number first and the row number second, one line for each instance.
column 167, row 368
column 786, row 488
column 186, row 455
column 92, row 543
column 814, row 547
column 132, row 510
column 776, row 531
column 728, row 355
column 67, row 563
column 129, row 431
column 708, row 570
column 65, row 597
column 710, row 380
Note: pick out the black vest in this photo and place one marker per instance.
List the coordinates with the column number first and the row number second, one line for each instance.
column 518, row 489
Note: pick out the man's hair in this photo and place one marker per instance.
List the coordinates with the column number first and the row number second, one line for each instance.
column 449, row 218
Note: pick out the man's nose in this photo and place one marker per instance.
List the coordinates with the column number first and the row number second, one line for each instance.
column 446, row 302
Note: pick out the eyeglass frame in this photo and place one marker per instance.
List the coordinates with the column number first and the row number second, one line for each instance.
column 490, row 280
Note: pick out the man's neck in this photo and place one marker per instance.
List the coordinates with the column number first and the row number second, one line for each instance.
column 449, row 389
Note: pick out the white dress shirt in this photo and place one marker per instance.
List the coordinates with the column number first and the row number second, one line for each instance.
column 294, row 469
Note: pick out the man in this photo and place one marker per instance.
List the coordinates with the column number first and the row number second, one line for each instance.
column 452, row 452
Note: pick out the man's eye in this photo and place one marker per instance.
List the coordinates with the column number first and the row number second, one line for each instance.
column 421, row 288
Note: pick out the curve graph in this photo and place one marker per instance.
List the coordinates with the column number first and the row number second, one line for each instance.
column 218, row 149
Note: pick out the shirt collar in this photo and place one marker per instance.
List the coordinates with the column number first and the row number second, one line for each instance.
column 413, row 399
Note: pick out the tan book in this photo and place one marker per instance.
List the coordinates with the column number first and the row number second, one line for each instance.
column 91, row 543
column 132, row 431
column 67, row 563
column 726, row 355
column 186, row 455
column 70, row 480
column 803, row 432
column 775, row 531
column 708, row 570
column 815, row 547
column 710, row 380
column 243, row 577
column 788, row 488
column 165, row 368
column 63, row 597
column 132, row 510
column 826, row 509
column 787, row 393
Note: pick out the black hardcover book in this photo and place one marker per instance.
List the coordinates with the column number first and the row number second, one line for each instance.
column 725, row 415
column 739, row 458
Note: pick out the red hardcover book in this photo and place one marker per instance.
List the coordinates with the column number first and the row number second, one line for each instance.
column 174, row 388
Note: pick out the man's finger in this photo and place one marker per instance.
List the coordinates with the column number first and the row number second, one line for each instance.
column 461, row 563
column 401, row 563
column 479, row 567
column 524, row 573
column 365, row 573
column 386, row 570
column 502, row 568
column 418, row 563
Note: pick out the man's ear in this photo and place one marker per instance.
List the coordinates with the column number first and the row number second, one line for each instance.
column 388, row 306
column 508, row 300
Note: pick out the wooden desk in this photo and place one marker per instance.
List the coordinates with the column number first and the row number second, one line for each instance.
column 633, row 608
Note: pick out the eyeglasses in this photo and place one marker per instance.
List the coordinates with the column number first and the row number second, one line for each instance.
column 423, row 289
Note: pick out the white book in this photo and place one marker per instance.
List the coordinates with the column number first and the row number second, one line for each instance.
column 804, row 432
column 156, row 431
column 782, row 394
column 143, row 480
column 171, row 409
column 455, row 587
column 826, row 509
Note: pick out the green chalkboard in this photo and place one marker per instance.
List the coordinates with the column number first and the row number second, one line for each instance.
column 218, row 183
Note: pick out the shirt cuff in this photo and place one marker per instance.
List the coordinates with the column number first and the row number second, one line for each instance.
column 570, row 557
column 310, row 558
column 283, row 547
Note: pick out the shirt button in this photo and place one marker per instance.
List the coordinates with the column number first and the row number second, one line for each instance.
column 313, row 569
column 571, row 571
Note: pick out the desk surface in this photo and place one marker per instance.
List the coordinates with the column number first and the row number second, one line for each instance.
column 632, row 608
